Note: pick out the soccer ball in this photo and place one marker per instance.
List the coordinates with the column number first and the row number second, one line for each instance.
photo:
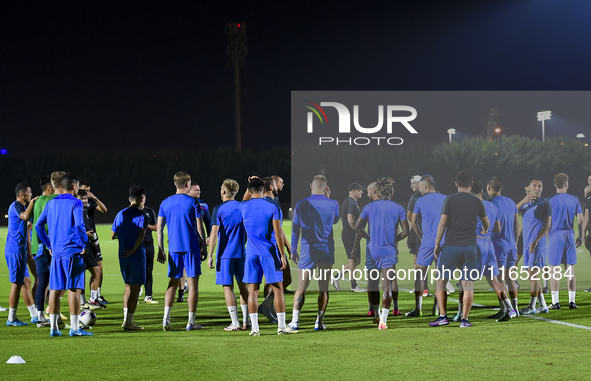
column 87, row 318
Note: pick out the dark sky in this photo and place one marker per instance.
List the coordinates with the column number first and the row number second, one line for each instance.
column 114, row 75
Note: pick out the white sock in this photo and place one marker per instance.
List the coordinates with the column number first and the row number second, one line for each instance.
column 420, row 302
column 555, row 298
column 128, row 319
column 167, row 314
column 93, row 295
column 295, row 318
column 460, row 306
column 98, row 292
column 244, row 313
column 82, row 299
column 532, row 301
column 40, row 317
column 191, row 317
column 376, row 311
column 234, row 316
column 32, row 310
column 74, row 324
column 53, row 321
column 571, row 296
column 546, row 283
column 507, row 305
column 125, row 315
column 254, row 320
column 384, row 317
column 542, row 300
column 515, row 304
column 320, row 317
column 281, row 320
column 12, row 314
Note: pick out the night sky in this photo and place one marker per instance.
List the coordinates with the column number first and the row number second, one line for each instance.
column 119, row 75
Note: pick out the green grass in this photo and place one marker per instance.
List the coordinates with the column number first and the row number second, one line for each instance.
column 352, row 348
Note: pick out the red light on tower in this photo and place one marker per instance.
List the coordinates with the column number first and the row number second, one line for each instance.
column 238, row 25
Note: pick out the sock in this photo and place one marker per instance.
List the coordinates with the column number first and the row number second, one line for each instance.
column 384, row 317
column 515, row 304
column 93, row 295
column 395, row 304
column 571, row 296
column 32, row 310
column 532, row 301
column 254, row 320
column 40, row 317
column 167, row 314
column 370, row 306
column 98, row 292
column 82, row 299
column 191, row 317
column 295, row 317
column 460, row 307
column 502, row 306
column 281, row 320
column 320, row 317
column 53, row 321
column 234, row 316
column 12, row 314
column 244, row 313
column 442, row 315
column 420, row 303
column 128, row 319
column 555, row 298
column 353, row 283
column 74, row 324
column 125, row 315
column 506, row 303
column 545, row 283
column 542, row 300
column 376, row 311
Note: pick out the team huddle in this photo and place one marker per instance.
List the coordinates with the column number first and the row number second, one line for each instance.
column 55, row 235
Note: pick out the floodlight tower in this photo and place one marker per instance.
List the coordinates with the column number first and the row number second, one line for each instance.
column 542, row 116
column 236, row 51
column 451, row 131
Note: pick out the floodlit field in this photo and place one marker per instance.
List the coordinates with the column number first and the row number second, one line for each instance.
column 352, row 347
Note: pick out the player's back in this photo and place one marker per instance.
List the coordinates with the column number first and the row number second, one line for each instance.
column 565, row 208
column 429, row 208
column 506, row 211
column 127, row 224
column 316, row 216
column 180, row 212
column 65, row 225
column 16, row 237
column 231, row 231
column 257, row 217
column 383, row 217
column 534, row 214
column 491, row 213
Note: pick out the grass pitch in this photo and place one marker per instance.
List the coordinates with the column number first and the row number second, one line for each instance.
column 352, row 347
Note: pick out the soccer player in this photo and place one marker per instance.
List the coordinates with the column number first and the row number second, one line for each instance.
column 313, row 219
column 488, row 260
column 562, row 248
column 504, row 240
column 459, row 217
column 90, row 260
column 186, row 245
column 537, row 219
column 373, row 296
column 228, row 228
column 428, row 208
column 95, row 204
column 16, row 251
column 150, row 217
column 260, row 218
column 129, row 228
column 413, row 242
column 41, row 254
column 280, row 184
column 350, row 212
column 69, row 242
column 384, row 217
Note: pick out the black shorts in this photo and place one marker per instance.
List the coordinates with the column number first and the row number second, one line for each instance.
column 98, row 253
column 348, row 241
column 90, row 258
column 520, row 245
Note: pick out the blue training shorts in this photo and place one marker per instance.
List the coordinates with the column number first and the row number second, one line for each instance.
column 464, row 258
column 17, row 266
column 562, row 248
column 256, row 266
column 189, row 261
column 488, row 259
column 229, row 269
column 133, row 269
column 67, row 272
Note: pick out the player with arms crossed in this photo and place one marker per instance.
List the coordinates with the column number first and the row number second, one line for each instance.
column 313, row 219
column 226, row 225
column 260, row 218
column 384, row 217
column 186, row 249
column 67, row 245
column 562, row 248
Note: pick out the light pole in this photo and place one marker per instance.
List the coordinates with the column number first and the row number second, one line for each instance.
column 542, row 116
column 451, row 131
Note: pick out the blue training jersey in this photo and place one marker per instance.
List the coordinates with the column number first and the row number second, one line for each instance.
column 565, row 208
column 16, row 237
column 534, row 213
column 127, row 225
column 506, row 211
column 429, row 207
column 65, row 221
column 384, row 217
column 180, row 212
column 314, row 218
column 257, row 217
column 492, row 213
column 231, row 233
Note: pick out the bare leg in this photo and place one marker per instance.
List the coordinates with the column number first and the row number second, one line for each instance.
column 193, row 283
column 26, row 292
column 173, row 284
column 229, row 295
column 441, row 294
column 468, row 287
column 132, row 298
column 253, row 298
column 74, row 301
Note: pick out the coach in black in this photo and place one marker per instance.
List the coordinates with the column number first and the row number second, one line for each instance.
column 459, row 218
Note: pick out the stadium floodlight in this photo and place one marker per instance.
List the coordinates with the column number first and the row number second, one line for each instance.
column 542, row 116
column 498, row 130
column 580, row 136
column 451, row 131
